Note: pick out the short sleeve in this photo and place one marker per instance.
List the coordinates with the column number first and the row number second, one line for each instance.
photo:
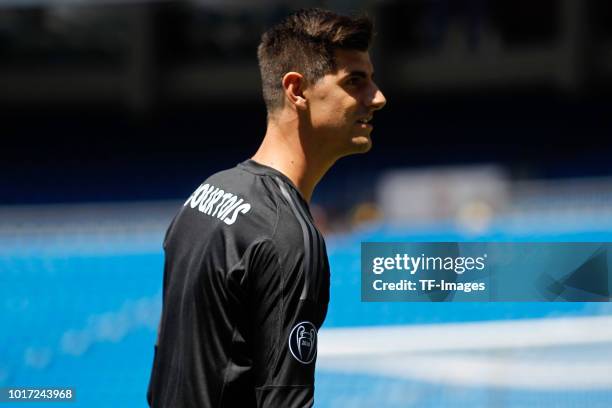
column 283, row 330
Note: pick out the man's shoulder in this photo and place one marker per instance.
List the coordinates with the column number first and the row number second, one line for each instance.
column 295, row 230
column 252, row 201
column 233, row 178
column 234, row 197
column 243, row 182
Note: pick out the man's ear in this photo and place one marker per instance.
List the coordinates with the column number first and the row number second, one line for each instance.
column 293, row 85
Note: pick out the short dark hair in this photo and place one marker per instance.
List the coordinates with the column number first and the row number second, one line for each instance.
column 305, row 42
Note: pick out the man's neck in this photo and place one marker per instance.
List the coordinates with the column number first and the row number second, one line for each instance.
column 294, row 154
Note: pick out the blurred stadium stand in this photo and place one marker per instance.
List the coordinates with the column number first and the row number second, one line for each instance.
column 497, row 128
column 149, row 92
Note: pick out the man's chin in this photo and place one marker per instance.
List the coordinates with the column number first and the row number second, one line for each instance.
column 361, row 144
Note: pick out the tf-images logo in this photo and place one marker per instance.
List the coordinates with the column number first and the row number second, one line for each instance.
column 303, row 342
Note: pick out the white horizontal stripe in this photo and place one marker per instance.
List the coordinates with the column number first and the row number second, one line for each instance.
column 465, row 336
column 504, row 372
column 537, row 354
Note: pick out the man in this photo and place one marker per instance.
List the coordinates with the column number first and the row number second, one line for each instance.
column 246, row 279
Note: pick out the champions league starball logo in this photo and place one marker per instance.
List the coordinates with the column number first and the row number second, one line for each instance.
column 303, row 342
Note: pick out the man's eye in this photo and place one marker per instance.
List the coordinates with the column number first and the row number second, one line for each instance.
column 353, row 81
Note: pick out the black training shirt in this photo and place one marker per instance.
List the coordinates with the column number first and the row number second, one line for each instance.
column 246, row 288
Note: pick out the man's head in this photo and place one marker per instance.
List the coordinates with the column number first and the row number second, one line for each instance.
column 316, row 63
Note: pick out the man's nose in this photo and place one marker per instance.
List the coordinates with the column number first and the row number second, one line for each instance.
column 379, row 100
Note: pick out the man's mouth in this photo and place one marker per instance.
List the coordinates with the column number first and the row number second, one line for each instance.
column 365, row 121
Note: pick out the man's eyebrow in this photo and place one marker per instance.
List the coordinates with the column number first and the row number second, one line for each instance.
column 358, row 73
